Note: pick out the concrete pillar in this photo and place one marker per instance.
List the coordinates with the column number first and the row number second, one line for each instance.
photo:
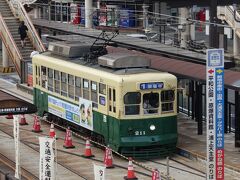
column 163, row 8
column 236, row 44
column 98, row 4
column 192, row 32
column 145, row 16
column 5, row 59
column 88, row 13
column 157, row 16
column 39, row 13
column 61, row 13
column 156, row 8
column 49, row 11
column 35, row 12
column 213, row 31
column 185, row 31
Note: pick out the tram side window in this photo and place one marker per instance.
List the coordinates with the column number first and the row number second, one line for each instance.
column 63, row 84
column 102, row 88
column 110, row 98
column 150, row 103
column 94, row 94
column 50, row 80
column 132, row 102
column 36, row 72
column 71, row 86
column 102, row 93
column 43, row 76
column 77, row 88
column 57, row 81
column 167, row 100
column 39, row 80
column 114, row 100
column 85, row 89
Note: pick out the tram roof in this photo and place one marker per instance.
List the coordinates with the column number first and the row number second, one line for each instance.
column 185, row 69
column 117, row 71
column 10, row 104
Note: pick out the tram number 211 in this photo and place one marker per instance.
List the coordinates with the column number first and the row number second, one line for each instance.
column 139, row 133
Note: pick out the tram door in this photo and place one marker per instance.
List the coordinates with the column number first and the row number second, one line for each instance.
column 112, row 112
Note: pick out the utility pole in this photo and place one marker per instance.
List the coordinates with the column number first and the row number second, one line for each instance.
column 213, row 32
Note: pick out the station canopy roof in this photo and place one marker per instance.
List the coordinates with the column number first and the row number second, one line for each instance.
column 184, row 69
column 10, row 104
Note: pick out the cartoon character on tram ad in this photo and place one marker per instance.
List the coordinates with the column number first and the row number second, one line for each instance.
column 82, row 113
column 89, row 115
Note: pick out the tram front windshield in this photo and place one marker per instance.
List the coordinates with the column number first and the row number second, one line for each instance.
column 134, row 101
column 149, row 102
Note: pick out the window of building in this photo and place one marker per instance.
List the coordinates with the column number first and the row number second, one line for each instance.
column 167, row 100
column 71, row 86
column 150, row 103
column 78, row 88
column 132, row 102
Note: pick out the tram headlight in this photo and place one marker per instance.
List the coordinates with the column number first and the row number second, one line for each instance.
column 152, row 127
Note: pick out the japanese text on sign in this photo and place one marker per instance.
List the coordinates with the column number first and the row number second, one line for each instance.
column 46, row 167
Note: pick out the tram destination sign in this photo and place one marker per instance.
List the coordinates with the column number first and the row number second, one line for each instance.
column 151, row 85
column 215, row 114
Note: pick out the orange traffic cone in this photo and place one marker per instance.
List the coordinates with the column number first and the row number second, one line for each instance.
column 108, row 159
column 130, row 175
column 36, row 125
column 23, row 120
column 88, row 151
column 155, row 175
column 52, row 131
column 9, row 116
column 68, row 139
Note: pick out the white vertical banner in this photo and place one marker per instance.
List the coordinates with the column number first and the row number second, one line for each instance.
column 99, row 172
column 16, row 142
column 46, row 163
column 215, row 114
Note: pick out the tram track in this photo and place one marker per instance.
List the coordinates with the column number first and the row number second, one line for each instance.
column 11, row 164
column 199, row 174
column 28, row 144
column 35, row 147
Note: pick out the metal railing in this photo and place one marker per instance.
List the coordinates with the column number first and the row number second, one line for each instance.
column 10, row 45
column 20, row 12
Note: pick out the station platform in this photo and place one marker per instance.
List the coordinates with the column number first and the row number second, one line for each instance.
column 193, row 146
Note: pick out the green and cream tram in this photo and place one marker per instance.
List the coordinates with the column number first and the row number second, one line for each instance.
column 119, row 101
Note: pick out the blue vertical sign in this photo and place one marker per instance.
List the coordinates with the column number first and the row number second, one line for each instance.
column 215, row 114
